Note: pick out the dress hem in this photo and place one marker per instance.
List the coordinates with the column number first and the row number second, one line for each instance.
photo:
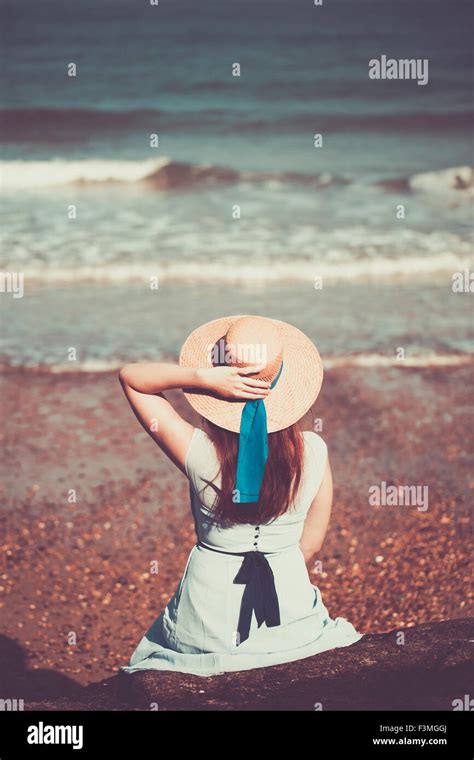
column 209, row 664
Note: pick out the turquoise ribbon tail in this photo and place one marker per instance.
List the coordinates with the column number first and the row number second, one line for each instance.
column 253, row 449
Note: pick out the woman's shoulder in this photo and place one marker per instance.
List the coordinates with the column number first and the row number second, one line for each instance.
column 200, row 454
column 315, row 442
column 200, row 437
column 316, row 453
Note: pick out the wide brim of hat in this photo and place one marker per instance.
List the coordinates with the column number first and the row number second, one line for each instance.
column 293, row 395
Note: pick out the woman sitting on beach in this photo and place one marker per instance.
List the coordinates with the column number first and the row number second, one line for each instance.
column 261, row 496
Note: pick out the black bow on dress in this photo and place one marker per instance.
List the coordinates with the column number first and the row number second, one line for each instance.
column 259, row 594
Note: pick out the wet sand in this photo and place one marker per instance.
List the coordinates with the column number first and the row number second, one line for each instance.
column 76, row 587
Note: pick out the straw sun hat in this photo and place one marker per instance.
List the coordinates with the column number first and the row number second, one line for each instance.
column 246, row 340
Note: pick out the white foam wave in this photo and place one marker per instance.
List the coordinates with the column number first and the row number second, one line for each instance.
column 295, row 270
column 364, row 360
column 459, row 179
column 159, row 174
column 24, row 175
column 428, row 359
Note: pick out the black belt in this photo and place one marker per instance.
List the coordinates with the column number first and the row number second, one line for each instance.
column 259, row 595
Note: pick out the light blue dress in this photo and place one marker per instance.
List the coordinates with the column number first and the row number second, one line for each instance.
column 197, row 631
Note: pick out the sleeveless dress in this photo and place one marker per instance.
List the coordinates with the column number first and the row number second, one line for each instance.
column 197, row 631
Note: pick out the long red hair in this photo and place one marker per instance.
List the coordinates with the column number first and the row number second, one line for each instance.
column 281, row 480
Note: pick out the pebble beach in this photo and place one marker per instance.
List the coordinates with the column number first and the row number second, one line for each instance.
column 97, row 527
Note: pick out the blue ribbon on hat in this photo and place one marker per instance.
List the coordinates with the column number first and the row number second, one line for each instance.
column 253, row 449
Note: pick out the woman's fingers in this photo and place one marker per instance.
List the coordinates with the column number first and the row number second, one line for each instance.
column 252, row 382
column 256, row 391
column 252, row 388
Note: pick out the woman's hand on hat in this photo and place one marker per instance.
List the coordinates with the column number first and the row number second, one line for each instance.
column 234, row 382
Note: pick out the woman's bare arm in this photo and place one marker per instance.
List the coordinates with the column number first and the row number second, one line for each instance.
column 144, row 383
column 317, row 518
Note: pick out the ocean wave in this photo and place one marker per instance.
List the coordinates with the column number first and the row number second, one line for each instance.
column 455, row 179
column 412, row 123
column 254, row 272
column 164, row 174
column 158, row 174
column 56, row 126
column 62, row 126
column 458, row 178
column 24, row 175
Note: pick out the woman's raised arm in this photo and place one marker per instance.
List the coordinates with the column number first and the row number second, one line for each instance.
column 144, row 383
